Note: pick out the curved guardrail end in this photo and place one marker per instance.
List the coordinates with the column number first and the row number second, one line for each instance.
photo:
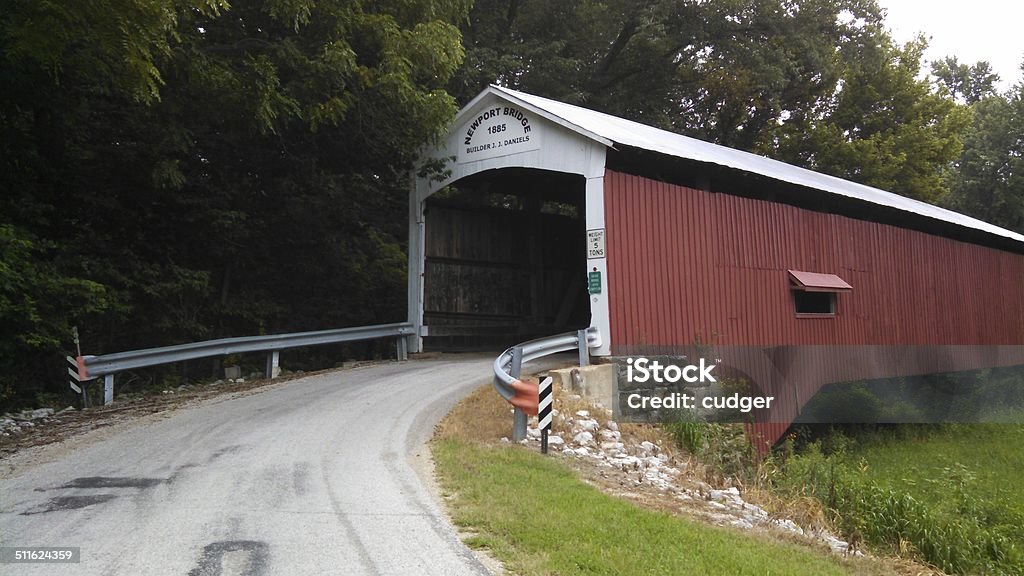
column 525, row 396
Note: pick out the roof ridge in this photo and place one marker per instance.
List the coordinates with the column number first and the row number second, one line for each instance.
column 619, row 130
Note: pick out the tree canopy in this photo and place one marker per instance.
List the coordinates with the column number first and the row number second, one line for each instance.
column 966, row 83
column 988, row 181
column 176, row 170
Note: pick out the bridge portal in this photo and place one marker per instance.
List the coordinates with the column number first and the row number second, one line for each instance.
column 504, row 259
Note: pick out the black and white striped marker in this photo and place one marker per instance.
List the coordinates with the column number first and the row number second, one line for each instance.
column 544, row 412
column 76, row 379
column 73, row 372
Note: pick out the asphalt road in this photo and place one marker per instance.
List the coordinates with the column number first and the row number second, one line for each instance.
column 314, row 476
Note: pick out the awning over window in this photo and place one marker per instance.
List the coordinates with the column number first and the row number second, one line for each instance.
column 816, row 282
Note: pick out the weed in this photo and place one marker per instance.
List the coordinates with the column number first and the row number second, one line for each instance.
column 688, row 432
column 939, row 516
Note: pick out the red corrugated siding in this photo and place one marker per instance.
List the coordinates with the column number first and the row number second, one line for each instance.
column 685, row 264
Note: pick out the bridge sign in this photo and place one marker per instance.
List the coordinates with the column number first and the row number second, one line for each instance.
column 595, row 243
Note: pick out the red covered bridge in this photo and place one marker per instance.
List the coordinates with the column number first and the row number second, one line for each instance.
column 550, row 217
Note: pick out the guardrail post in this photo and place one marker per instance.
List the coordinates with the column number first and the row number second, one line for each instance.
column 402, row 348
column 518, row 417
column 273, row 364
column 108, row 389
column 581, row 337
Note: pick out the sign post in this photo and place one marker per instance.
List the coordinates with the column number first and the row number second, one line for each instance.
column 77, row 370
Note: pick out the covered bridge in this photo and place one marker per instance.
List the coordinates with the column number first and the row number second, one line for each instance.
column 548, row 217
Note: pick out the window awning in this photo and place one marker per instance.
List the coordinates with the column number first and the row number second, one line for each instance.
column 817, row 282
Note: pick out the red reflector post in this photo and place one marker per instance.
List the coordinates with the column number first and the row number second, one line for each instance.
column 527, row 396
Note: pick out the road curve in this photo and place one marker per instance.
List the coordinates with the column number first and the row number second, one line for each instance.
column 310, row 477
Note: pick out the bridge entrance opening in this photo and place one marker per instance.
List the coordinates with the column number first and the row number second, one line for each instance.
column 505, row 259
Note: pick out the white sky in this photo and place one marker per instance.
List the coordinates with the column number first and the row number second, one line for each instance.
column 971, row 30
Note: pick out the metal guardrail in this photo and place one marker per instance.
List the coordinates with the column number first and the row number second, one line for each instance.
column 107, row 365
column 508, row 366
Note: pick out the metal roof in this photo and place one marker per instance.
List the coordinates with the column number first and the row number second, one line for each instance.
column 816, row 281
column 606, row 128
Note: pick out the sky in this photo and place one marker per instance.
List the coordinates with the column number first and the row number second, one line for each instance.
column 991, row 30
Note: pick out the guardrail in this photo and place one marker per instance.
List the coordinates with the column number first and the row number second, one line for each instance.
column 508, row 366
column 107, row 365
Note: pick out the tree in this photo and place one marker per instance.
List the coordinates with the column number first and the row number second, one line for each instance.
column 615, row 56
column 765, row 64
column 818, row 83
column 989, row 179
column 56, row 60
column 34, row 303
column 966, row 84
column 206, row 170
column 723, row 70
column 882, row 126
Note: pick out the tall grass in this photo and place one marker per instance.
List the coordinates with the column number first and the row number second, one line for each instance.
column 943, row 516
column 723, row 448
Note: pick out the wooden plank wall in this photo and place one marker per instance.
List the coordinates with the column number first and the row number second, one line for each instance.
column 488, row 266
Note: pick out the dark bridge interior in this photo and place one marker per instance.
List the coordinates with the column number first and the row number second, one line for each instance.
column 505, row 259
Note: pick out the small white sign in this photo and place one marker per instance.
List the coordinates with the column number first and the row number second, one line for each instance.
column 595, row 243
column 496, row 131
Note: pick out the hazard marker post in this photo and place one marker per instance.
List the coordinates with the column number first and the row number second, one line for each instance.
column 544, row 412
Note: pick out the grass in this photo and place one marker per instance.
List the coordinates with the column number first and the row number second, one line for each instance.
column 949, row 494
column 986, row 459
column 535, row 515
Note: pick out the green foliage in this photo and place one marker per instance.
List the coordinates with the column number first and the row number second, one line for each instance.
column 947, row 494
column 818, row 83
column 38, row 305
column 987, row 395
column 883, row 126
column 115, row 42
column 854, row 402
column 688, row 431
column 966, row 84
column 724, row 448
column 210, row 169
column 989, row 182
